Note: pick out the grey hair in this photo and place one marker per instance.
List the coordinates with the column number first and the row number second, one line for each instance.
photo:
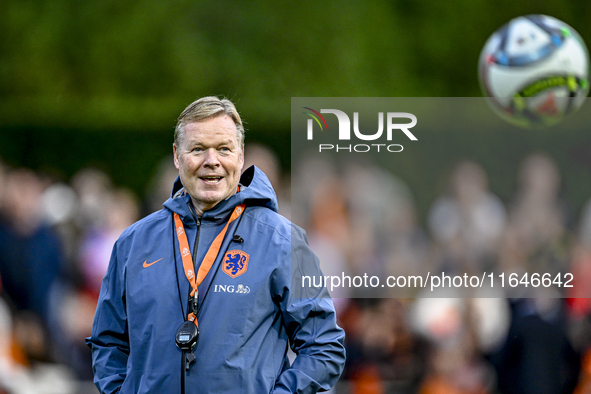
column 207, row 108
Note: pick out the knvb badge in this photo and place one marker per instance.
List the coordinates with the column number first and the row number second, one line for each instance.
column 344, row 133
column 235, row 263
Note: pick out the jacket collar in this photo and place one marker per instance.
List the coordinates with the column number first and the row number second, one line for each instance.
column 255, row 190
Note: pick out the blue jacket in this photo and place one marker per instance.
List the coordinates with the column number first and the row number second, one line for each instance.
column 246, row 322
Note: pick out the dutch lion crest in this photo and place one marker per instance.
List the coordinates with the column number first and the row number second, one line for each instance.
column 235, row 263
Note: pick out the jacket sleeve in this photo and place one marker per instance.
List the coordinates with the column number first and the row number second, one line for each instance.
column 109, row 342
column 310, row 321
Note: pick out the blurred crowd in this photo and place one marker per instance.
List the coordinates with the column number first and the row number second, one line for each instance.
column 55, row 244
column 56, row 239
column 362, row 219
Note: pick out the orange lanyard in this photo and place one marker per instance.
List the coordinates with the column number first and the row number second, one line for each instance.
column 207, row 262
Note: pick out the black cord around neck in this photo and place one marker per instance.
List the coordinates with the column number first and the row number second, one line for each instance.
column 176, row 271
column 183, row 370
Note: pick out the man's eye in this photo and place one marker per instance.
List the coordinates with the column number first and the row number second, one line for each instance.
column 197, row 150
column 225, row 149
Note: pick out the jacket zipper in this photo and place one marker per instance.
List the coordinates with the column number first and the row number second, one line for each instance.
column 193, row 305
column 196, row 236
column 189, row 304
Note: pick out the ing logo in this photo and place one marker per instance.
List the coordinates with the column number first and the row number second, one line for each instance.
column 240, row 289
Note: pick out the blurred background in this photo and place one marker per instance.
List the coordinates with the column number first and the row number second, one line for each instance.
column 89, row 96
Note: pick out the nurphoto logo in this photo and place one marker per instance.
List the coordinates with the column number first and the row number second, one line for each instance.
column 344, row 132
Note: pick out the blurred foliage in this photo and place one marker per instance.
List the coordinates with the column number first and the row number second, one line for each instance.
column 81, row 80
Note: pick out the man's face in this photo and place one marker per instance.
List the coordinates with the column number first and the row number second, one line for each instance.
column 209, row 160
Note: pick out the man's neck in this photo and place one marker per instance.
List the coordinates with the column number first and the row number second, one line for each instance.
column 198, row 209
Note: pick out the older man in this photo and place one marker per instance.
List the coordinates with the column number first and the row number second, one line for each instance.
column 201, row 296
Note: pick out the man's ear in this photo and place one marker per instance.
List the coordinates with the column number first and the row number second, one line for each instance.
column 175, row 156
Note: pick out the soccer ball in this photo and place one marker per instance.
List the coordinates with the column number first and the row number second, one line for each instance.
column 534, row 70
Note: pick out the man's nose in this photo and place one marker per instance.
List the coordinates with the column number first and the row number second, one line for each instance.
column 211, row 158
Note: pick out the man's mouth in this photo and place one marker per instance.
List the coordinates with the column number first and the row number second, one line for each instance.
column 211, row 180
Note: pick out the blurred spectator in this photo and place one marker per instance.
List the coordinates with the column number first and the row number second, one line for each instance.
column 119, row 210
column 380, row 207
column 579, row 301
column 30, row 252
column 158, row 189
column 92, row 187
column 537, row 235
column 328, row 232
column 383, row 354
column 310, row 172
column 408, row 249
column 580, row 267
column 460, row 331
column 537, row 357
column 467, row 223
column 319, row 205
column 59, row 203
column 264, row 158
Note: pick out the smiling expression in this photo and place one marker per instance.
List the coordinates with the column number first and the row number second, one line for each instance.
column 209, row 160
